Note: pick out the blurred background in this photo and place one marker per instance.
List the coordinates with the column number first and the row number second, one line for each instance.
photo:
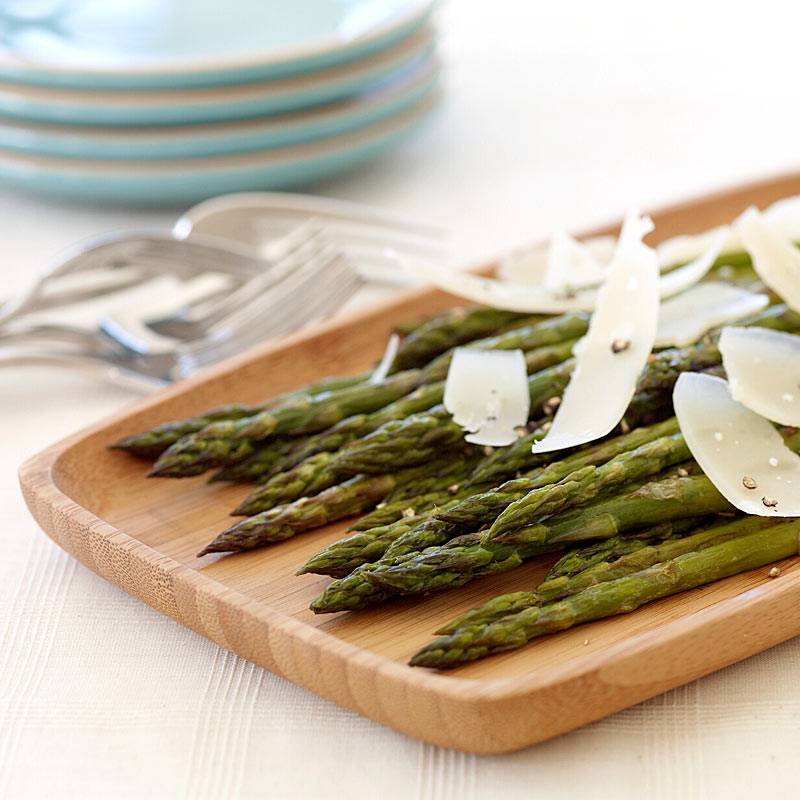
column 551, row 114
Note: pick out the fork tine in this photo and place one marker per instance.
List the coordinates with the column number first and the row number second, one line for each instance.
column 298, row 253
column 330, row 286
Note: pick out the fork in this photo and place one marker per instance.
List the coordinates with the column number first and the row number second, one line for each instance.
column 322, row 278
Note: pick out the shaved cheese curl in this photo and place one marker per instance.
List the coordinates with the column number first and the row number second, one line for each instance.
column 741, row 452
column 682, row 278
column 763, row 369
column 487, row 393
column 571, row 265
column 683, row 320
column 614, row 351
column 776, row 260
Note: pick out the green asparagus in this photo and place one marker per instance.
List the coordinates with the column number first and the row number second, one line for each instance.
column 475, row 510
column 551, row 331
column 268, row 460
column 622, row 595
column 451, row 329
column 229, row 441
column 152, row 443
column 336, row 502
column 420, row 400
column 283, row 522
column 627, row 555
column 585, row 484
column 657, row 501
column 304, row 480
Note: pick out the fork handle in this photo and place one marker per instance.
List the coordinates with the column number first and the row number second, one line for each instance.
column 90, row 366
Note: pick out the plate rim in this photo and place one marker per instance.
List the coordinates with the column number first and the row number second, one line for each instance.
column 287, row 129
column 291, row 58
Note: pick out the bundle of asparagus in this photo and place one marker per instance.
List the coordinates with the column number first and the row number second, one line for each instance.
column 438, row 513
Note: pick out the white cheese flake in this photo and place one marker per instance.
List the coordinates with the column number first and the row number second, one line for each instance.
column 508, row 295
column 775, row 257
column 389, row 355
column 530, row 265
column 740, row 451
column 682, row 278
column 571, row 265
column 487, row 393
column 683, row 320
column 763, row 369
column 615, row 349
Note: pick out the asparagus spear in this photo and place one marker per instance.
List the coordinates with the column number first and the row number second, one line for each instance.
column 450, row 329
column 350, row 593
column 579, row 559
column 414, row 439
column 391, row 511
column 622, row 595
column 421, row 399
column 345, row 555
column 336, row 502
column 531, row 337
column 657, row 501
column 552, row 331
column 483, row 508
column 473, row 510
column 229, row 441
column 150, row 444
column 304, row 480
column 266, row 461
column 283, row 522
column 626, row 556
column 400, row 443
column 585, row 484
column 356, row 591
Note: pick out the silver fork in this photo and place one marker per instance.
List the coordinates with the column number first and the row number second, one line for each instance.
column 317, row 276
column 117, row 261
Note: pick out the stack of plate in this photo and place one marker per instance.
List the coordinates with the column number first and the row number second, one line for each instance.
column 160, row 101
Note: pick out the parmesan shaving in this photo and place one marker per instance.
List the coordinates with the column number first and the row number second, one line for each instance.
column 683, row 249
column 775, row 257
column 616, row 347
column 763, row 368
column 683, row 320
column 389, row 355
column 530, row 265
column 784, row 216
column 571, row 265
column 511, row 296
column 682, row 278
column 740, row 452
column 487, row 393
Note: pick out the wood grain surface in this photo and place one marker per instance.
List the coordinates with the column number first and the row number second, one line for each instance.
column 142, row 535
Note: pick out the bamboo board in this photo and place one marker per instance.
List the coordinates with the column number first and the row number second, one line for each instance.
column 142, row 535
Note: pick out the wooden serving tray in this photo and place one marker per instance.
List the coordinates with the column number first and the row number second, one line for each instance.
column 142, row 535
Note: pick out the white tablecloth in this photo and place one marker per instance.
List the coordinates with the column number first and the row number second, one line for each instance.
column 556, row 114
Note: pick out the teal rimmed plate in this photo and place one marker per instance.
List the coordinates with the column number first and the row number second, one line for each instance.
column 222, row 138
column 178, row 107
column 171, row 182
column 150, row 44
